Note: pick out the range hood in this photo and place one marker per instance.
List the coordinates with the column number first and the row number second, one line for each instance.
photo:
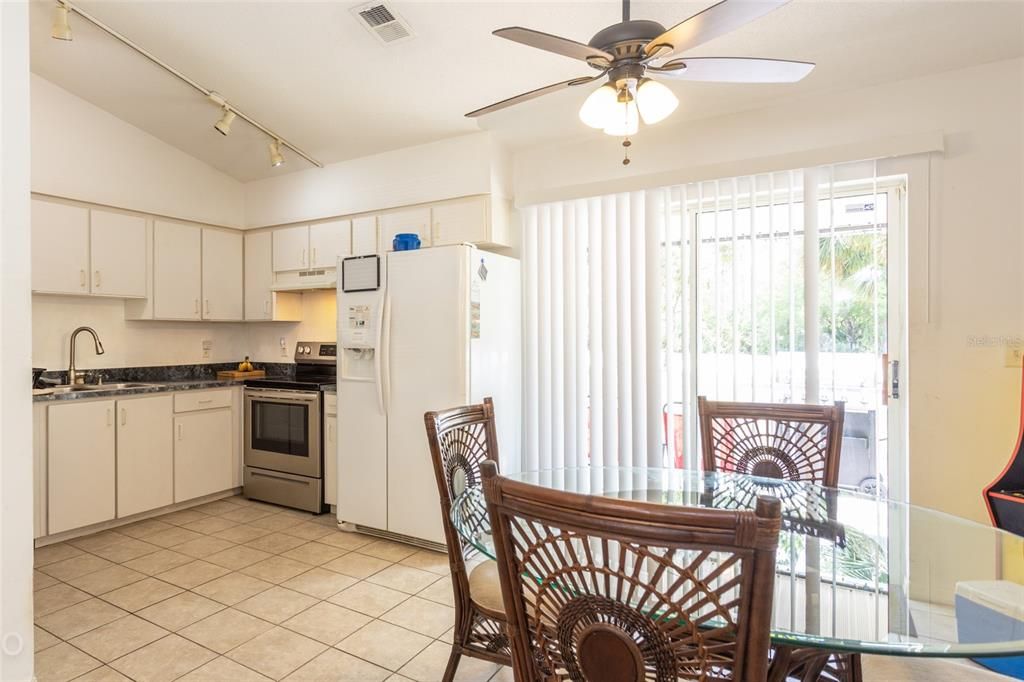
column 306, row 280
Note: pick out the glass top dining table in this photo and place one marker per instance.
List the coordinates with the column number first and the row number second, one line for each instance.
column 854, row 572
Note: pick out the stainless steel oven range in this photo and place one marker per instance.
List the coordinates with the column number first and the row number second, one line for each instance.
column 284, row 458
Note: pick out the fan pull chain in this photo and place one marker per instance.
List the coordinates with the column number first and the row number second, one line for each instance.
column 626, row 144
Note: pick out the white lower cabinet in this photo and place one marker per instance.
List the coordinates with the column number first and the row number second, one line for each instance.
column 80, row 469
column 331, row 448
column 145, row 454
column 203, row 453
column 100, row 460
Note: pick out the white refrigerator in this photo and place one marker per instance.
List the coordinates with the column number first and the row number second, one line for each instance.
column 419, row 330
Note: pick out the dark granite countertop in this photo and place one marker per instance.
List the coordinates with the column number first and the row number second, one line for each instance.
column 41, row 395
column 156, row 380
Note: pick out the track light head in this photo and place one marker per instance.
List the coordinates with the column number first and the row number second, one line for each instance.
column 61, row 29
column 276, row 158
column 223, row 126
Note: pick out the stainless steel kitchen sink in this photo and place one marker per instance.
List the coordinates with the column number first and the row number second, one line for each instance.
column 85, row 388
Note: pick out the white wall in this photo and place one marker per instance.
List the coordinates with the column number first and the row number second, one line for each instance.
column 966, row 241
column 127, row 343
column 82, row 152
column 15, row 402
column 456, row 167
column 130, row 343
column 319, row 323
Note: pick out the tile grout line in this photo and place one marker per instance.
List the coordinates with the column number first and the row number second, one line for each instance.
column 288, row 530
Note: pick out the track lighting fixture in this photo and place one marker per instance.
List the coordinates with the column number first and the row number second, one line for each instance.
column 276, row 158
column 61, row 29
column 223, row 126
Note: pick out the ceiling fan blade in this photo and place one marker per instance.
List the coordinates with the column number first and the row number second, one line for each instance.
column 735, row 70
column 556, row 44
column 717, row 20
column 532, row 94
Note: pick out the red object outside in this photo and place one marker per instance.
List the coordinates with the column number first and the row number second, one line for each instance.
column 676, row 447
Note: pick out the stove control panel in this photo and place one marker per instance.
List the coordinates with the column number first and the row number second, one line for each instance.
column 315, row 351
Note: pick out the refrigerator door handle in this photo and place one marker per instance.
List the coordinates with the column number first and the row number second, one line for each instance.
column 385, row 348
column 378, row 351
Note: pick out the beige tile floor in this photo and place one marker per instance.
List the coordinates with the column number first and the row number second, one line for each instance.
column 240, row 590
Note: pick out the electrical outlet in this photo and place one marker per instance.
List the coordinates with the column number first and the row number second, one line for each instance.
column 1014, row 356
column 283, row 342
column 207, row 347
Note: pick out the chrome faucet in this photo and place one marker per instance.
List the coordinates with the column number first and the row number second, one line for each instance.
column 73, row 374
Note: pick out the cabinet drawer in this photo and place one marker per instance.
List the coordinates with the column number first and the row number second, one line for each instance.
column 202, row 400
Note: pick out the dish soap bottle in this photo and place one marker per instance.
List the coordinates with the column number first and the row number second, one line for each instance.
column 245, row 365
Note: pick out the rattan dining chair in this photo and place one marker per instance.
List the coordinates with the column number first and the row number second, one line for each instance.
column 611, row 590
column 772, row 440
column 461, row 439
column 793, row 443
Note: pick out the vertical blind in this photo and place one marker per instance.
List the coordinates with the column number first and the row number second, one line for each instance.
column 636, row 303
column 591, row 333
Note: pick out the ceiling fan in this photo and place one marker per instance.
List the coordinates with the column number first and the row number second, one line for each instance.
column 631, row 51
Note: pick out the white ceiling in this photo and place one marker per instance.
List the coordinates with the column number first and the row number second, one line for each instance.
column 309, row 71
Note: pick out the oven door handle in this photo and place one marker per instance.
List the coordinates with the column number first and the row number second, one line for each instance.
column 275, row 398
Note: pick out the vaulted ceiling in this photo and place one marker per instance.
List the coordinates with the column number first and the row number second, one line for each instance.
column 312, row 72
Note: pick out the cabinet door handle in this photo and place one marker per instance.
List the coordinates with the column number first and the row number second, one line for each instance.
column 266, row 307
column 179, row 431
column 98, row 279
column 204, row 402
column 435, row 232
column 81, row 278
column 314, row 254
column 207, row 306
column 303, row 256
column 124, row 416
column 196, row 301
column 110, row 417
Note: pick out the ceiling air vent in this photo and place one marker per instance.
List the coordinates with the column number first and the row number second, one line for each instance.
column 383, row 22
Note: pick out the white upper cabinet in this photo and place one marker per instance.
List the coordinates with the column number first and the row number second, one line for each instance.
column 118, row 242
column 60, row 248
column 364, row 236
column 76, row 250
column 329, row 241
column 222, row 275
column 291, row 248
column 413, row 220
column 464, row 220
column 259, row 276
column 177, row 271
column 261, row 303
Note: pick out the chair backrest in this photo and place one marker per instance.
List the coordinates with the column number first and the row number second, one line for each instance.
column 461, row 439
column 610, row 590
column 772, row 440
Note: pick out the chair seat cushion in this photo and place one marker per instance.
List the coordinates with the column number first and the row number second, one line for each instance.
column 485, row 586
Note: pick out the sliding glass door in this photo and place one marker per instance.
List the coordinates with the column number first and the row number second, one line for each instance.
column 740, row 258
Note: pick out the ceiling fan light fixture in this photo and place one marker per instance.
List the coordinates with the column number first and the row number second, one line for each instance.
column 276, row 157
column 655, row 101
column 624, row 120
column 223, row 126
column 599, row 106
column 61, row 29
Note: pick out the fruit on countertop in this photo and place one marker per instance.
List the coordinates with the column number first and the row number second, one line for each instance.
column 245, row 365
